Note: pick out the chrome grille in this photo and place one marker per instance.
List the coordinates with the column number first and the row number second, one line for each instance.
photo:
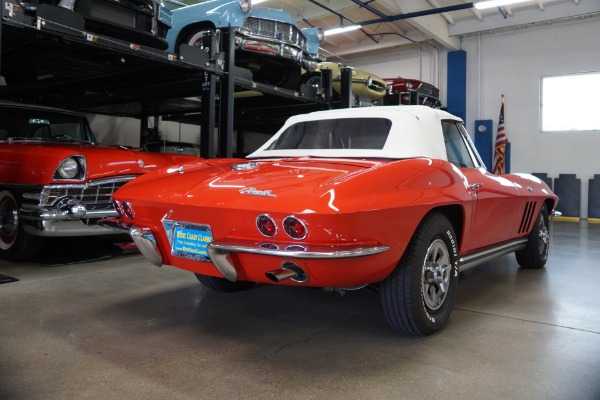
column 428, row 90
column 94, row 195
column 277, row 30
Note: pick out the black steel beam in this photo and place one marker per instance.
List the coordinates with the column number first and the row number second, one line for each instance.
column 416, row 14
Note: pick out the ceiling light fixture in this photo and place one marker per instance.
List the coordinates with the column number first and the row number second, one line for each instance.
column 341, row 29
column 482, row 5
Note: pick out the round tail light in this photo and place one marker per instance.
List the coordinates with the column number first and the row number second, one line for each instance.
column 266, row 225
column 295, row 228
column 128, row 210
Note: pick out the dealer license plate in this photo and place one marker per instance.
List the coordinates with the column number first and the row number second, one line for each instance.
column 165, row 15
column 188, row 240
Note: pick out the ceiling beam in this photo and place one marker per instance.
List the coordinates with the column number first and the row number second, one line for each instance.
column 428, row 21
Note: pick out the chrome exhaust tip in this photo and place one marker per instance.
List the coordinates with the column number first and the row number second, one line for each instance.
column 288, row 270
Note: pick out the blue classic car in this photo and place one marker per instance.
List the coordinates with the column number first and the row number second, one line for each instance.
column 144, row 22
column 268, row 42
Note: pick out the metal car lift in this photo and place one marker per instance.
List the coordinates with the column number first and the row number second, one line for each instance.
column 51, row 60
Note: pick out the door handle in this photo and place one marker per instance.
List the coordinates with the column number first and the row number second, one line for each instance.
column 475, row 186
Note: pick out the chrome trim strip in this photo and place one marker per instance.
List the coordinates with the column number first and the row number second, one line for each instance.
column 475, row 259
column 312, row 252
column 219, row 251
column 115, row 224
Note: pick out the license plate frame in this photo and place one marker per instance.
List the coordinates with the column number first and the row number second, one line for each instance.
column 189, row 240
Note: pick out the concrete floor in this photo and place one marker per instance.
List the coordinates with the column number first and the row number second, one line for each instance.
column 120, row 328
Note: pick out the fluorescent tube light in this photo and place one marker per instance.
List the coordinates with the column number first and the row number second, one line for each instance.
column 482, row 5
column 341, row 29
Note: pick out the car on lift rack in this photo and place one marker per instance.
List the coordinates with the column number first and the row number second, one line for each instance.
column 143, row 22
column 363, row 83
column 394, row 197
column 411, row 92
column 55, row 180
column 268, row 42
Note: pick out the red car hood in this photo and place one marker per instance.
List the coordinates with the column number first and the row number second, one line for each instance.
column 34, row 162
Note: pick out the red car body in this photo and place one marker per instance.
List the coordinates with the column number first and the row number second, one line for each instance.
column 343, row 199
column 35, row 200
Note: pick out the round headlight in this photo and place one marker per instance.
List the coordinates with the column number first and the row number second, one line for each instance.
column 246, row 5
column 68, row 168
column 320, row 34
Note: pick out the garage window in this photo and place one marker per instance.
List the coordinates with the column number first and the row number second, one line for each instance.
column 570, row 102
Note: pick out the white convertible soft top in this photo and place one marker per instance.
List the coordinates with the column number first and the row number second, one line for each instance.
column 416, row 131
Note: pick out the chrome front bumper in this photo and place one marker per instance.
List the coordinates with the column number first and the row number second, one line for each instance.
column 266, row 46
column 70, row 221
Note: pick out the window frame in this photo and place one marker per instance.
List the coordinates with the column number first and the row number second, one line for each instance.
column 467, row 142
column 570, row 96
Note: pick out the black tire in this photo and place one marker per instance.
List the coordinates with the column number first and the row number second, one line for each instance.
column 15, row 243
column 280, row 74
column 418, row 296
column 222, row 284
column 535, row 254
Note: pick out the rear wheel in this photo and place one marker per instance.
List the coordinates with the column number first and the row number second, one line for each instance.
column 222, row 284
column 418, row 295
column 15, row 243
column 535, row 254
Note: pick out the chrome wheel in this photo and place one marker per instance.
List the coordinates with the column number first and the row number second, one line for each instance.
column 543, row 236
column 435, row 278
column 197, row 39
column 418, row 296
column 535, row 254
column 9, row 220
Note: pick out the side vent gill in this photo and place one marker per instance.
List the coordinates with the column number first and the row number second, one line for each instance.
column 527, row 217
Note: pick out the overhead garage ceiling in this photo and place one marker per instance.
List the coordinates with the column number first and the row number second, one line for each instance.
column 385, row 23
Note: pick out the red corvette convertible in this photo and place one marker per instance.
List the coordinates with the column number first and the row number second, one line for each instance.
column 394, row 197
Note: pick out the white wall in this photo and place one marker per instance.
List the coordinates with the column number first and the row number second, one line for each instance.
column 420, row 63
column 126, row 131
column 512, row 63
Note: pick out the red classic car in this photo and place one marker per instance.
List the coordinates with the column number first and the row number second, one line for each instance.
column 411, row 92
column 55, row 180
column 395, row 197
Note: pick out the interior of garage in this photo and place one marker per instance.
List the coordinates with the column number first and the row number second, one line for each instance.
column 88, row 318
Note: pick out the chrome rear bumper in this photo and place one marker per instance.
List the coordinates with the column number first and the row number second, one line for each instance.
column 220, row 250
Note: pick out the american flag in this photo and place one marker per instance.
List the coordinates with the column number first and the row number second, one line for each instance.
column 500, row 146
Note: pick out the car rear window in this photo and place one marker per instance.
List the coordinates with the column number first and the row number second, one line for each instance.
column 345, row 133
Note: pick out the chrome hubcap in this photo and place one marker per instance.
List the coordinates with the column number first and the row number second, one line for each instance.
column 9, row 222
column 435, row 279
column 543, row 235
